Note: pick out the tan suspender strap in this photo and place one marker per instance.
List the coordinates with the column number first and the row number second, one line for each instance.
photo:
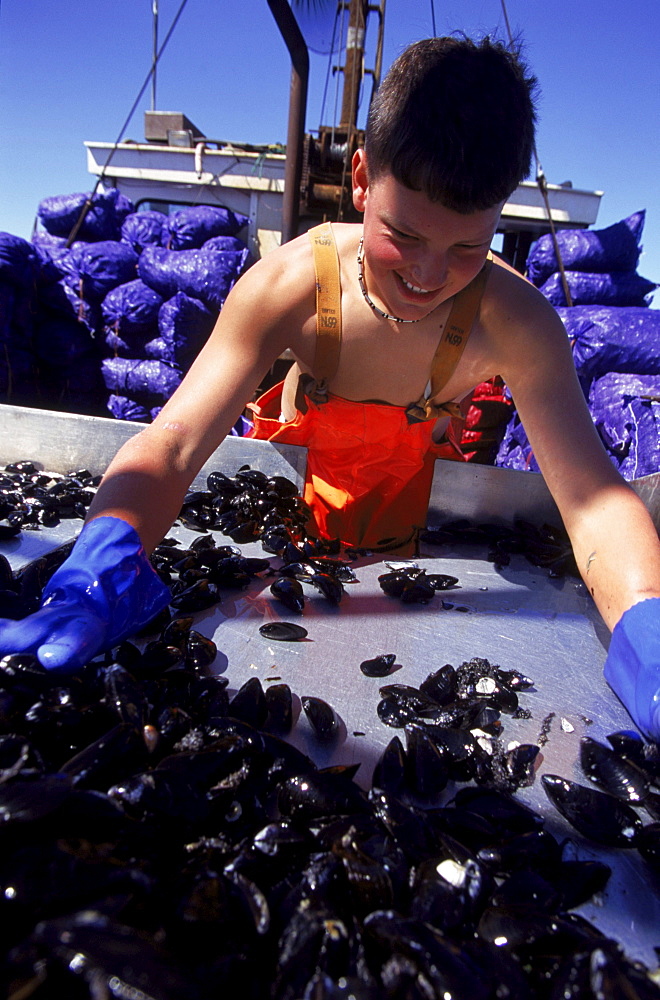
column 328, row 302
column 451, row 346
column 455, row 336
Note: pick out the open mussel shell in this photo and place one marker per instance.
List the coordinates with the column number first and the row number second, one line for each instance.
column 597, row 815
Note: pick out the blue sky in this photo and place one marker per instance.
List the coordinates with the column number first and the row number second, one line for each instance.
column 71, row 69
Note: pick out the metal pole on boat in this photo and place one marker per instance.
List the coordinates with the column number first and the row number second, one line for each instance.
column 295, row 43
column 354, row 64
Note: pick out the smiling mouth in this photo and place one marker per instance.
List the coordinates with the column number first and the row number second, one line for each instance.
column 415, row 288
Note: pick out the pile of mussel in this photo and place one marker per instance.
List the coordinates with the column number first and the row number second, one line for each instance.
column 160, row 838
column 30, row 498
column 247, row 506
column 412, row 584
column 547, row 546
column 251, row 506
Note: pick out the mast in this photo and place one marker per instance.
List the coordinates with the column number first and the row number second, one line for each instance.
column 318, row 173
column 326, row 177
column 354, row 63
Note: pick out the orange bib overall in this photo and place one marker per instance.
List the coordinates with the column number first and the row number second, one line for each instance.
column 369, row 464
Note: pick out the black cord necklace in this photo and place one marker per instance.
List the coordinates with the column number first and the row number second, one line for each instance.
column 368, row 300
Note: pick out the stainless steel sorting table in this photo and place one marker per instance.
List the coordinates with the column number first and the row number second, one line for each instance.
column 516, row 617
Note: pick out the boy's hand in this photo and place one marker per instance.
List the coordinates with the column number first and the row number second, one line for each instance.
column 103, row 592
column 632, row 667
column 63, row 635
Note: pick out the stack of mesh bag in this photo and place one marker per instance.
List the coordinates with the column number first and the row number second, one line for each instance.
column 615, row 338
column 113, row 321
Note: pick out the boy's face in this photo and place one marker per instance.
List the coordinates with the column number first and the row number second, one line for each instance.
column 417, row 253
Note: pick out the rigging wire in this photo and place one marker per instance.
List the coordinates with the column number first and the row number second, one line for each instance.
column 154, row 33
column 508, row 26
column 329, row 68
column 358, row 91
column 88, row 203
column 341, row 36
column 542, row 183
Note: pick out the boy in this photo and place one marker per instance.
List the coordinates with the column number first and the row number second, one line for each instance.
column 425, row 316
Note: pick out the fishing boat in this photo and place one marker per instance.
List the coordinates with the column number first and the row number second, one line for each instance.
column 284, row 191
column 515, row 615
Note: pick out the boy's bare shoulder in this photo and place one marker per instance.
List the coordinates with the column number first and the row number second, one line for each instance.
column 515, row 315
column 278, row 291
column 506, row 285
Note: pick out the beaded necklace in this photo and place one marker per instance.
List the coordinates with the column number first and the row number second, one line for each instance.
column 369, row 301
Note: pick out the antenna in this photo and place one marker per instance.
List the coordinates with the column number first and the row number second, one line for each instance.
column 154, row 58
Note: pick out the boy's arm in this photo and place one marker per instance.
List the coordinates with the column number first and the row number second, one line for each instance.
column 107, row 588
column 147, row 480
column 616, row 545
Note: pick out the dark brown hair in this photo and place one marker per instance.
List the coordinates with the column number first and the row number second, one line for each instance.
column 454, row 118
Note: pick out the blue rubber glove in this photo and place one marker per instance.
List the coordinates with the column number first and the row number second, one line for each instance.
column 632, row 667
column 106, row 590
